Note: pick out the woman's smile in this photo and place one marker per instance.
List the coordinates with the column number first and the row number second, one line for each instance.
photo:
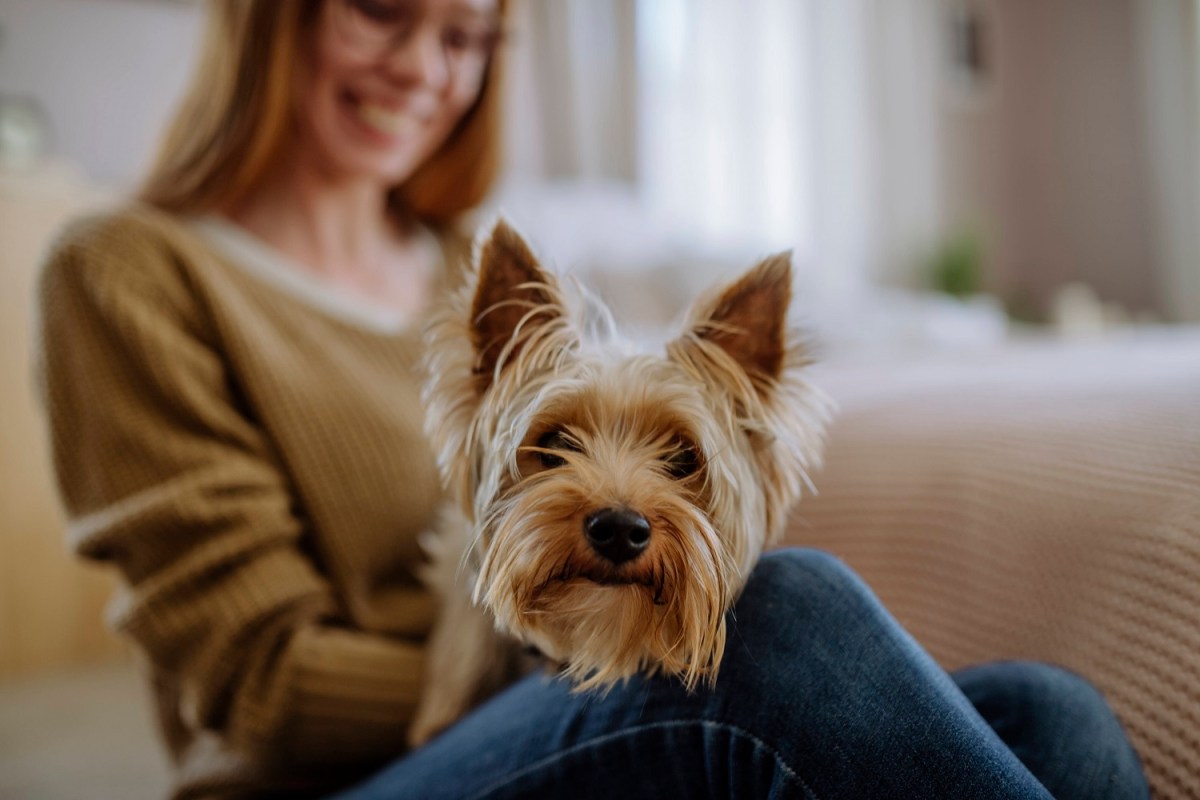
column 383, row 122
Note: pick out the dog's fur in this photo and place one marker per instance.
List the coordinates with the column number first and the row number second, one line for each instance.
column 541, row 416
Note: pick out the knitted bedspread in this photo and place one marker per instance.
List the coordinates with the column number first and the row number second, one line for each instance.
column 1040, row 501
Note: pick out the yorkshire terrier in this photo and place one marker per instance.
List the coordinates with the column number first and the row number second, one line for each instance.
column 609, row 503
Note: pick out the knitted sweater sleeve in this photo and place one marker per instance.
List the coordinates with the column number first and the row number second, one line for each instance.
column 164, row 472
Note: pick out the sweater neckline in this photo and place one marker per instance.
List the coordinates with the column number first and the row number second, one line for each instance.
column 262, row 260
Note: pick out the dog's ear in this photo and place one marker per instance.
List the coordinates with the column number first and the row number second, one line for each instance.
column 514, row 300
column 748, row 319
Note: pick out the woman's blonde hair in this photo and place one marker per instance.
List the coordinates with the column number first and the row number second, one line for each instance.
column 233, row 121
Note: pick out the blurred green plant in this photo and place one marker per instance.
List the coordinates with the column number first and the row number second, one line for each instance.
column 956, row 266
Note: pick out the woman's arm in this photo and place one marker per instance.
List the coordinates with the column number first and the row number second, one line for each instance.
column 164, row 471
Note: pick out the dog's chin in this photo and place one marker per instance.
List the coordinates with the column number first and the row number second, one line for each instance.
column 614, row 579
column 603, row 626
column 553, row 585
column 575, row 594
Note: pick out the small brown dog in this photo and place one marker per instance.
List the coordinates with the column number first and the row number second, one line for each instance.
column 610, row 503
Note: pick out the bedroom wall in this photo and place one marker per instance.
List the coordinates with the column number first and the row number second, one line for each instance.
column 70, row 54
column 1050, row 160
column 1169, row 38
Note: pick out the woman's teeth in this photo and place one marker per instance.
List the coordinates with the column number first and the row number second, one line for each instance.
column 386, row 120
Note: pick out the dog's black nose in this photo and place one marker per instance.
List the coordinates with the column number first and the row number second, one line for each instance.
column 618, row 534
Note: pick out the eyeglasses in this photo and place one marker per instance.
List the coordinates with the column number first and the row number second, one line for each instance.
column 375, row 27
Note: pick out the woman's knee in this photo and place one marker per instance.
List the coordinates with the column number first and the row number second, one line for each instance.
column 789, row 568
column 796, row 588
column 803, row 618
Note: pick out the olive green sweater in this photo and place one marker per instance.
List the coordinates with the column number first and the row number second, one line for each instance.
column 246, row 448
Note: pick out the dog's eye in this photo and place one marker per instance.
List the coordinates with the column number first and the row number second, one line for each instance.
column 682, row 462
column 555, row 440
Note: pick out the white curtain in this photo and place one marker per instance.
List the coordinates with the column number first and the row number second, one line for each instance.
column 811, row 124
column 726, row 119
column 745, row 126
column 573, row 90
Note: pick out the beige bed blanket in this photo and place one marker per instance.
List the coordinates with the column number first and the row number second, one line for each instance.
column 1037, row 501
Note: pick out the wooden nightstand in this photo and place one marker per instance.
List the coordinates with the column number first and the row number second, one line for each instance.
column 51, row 605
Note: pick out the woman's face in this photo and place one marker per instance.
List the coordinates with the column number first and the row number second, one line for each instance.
column 389, row 79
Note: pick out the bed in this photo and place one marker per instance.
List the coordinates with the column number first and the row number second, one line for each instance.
column 1038, row 499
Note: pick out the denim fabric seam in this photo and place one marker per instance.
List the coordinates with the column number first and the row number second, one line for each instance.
column 704, row 723
column 787, row 768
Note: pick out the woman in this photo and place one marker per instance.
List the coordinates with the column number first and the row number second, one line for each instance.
column 229, row 372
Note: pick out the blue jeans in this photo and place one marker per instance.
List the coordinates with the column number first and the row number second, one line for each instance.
column 821, row 694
